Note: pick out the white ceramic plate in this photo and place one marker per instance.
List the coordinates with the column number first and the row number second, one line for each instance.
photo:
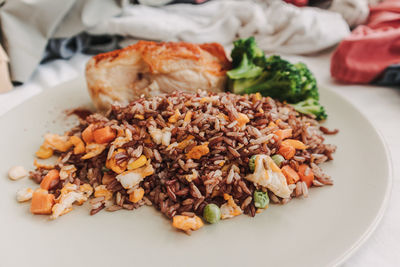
column 321, row 230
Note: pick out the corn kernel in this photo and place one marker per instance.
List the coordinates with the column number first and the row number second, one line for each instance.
column 137, row 163
column 44, row 152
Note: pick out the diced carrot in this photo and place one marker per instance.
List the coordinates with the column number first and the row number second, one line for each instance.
column 294, row 143
column 306, row 174
column 283, row 134
column 104, row 135
column 42, row 202
column 291, row 175
column 287, row 152
column 87, row 134
column 50, row 179
column 198, row 151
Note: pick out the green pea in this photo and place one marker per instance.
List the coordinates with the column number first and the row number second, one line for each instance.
column 252, row 163
column 278, row 159
column 261, row 199
column 212, row 213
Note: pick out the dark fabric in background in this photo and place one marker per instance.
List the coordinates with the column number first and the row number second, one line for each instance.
column 390, row 77
column 65, row 48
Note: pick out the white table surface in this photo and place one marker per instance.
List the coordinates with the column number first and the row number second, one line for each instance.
column 380, row 104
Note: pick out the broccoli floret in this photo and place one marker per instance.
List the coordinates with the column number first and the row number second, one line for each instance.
column 308, row 82
column 246, row 69
column 312, row 108
column 273, row 76
column 249, row 48
column 246, row 55
column 279, row 79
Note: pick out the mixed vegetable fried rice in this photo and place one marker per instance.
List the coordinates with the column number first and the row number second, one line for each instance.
column 193, row 156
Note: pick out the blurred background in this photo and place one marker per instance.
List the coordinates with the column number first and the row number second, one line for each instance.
column 352, row 46
column 37, row 32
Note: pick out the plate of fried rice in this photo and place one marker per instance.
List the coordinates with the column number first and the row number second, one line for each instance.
column 187, row 179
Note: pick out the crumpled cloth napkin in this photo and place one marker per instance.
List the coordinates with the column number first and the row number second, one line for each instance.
column 371, row 48
column 27, row 25
column 278, row 27
column 355, row 12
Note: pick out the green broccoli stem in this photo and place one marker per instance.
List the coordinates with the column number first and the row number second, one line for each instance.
column 245, row 70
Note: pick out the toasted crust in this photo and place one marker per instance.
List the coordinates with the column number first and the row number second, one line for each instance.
column 151, row 68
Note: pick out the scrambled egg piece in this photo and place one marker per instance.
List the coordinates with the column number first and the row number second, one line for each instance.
column 156, row 134
column 186, row 223
column 92, row 150
column 40, row 165
column 230, row 209
column 86, row 189
column 67, row 171
column 57, row 142
column 122, row 138
column 17, row 172
column 268, row 175
column 68, row 188
column 166, row 137
column 198, row 151
column 101, row 191
column 132, row 178
column 24, row 194
column 136, row 195
column 79, row 145
column 160, row 136
column 70, row 194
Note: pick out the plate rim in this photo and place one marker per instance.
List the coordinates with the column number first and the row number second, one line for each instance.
column 356, row 244
column 388, row 190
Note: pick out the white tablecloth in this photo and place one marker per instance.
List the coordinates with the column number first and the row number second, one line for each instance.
column 381, row 105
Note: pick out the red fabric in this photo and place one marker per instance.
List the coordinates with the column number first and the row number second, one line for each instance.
column 370, row 49
column 299, row 3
